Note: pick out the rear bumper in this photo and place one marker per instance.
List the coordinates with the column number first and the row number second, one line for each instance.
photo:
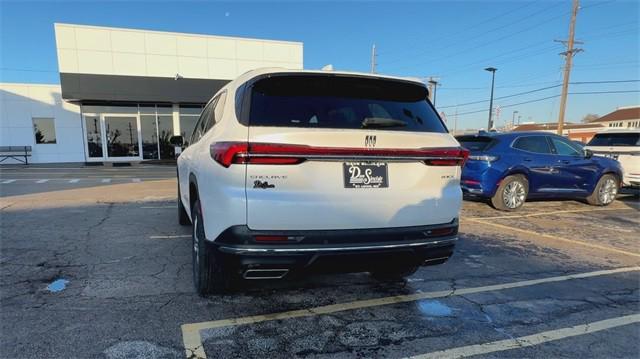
column 337, row 250
column 631, row 180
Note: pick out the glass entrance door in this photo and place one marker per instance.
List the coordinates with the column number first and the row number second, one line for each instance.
column 122, row 138
column 93, row 132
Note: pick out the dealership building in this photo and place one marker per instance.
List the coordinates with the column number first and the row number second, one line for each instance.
column 124, row 92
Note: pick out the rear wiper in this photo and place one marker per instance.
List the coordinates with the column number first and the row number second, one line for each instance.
column 382, row 122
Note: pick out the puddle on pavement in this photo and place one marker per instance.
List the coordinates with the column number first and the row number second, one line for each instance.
column 57, row 285
column 434, row 308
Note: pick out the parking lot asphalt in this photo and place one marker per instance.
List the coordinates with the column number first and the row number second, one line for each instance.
column 104, row 270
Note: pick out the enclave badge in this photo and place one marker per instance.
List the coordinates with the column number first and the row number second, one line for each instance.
column 370, row 141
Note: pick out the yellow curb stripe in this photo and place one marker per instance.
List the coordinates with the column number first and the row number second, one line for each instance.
column 531, row 340
column 557, row 238
column 193, row 343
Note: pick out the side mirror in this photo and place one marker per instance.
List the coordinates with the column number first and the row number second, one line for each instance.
column 176, row 140
column 588, row 153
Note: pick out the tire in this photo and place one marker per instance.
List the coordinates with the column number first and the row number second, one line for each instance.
column 511, row 194
column 208, row 267
column 183, row 218
column 605, row 191
column 393, row 274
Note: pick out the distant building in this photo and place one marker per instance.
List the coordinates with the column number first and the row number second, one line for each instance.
column 124, row 92
column 623, row 117
column 575, row 131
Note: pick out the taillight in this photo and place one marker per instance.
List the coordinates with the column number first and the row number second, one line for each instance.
column 228, row 153
column 447, row 157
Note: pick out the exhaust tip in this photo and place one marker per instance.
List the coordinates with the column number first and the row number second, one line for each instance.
column 265, row 273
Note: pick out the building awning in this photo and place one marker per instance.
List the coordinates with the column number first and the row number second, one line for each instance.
column 104, row 88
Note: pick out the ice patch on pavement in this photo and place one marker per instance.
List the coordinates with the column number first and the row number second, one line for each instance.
column 140, row 350
column 434, row 308
column 57, row 285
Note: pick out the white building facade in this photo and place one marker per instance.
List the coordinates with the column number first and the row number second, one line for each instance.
column 124, row 92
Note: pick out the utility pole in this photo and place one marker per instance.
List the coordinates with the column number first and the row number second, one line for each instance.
column 493, row 80
column 513, row 119
column 373, row 59
column 568, row 62
column 433, row 86
column 455, row 122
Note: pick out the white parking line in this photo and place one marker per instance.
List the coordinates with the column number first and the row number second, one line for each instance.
column 171, row 237
column 42, row 181
column 8, row 181
column 105, row 180
column 136, row 180
column 75, row 180
column 531, row 340
column 193, row 341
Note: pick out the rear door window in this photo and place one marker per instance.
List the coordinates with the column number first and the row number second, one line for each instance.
column 323, row 101
column 615, row 139
column 535, row 144
column 475, row 143
column 563, row 147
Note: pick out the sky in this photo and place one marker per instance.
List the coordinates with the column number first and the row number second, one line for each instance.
column 452, row 41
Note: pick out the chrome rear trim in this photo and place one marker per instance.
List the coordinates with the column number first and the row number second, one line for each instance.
column 301, row 250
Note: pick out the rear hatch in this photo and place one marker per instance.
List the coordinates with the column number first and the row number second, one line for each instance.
column 621, row 146
column 479, row 158
column 342, row 152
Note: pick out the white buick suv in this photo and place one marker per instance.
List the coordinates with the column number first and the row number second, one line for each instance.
column 292, row 171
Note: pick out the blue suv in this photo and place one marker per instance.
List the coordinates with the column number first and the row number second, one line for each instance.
column 509, row 168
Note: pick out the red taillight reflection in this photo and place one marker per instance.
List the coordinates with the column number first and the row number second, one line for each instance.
column 228, row 153
column 270, row 238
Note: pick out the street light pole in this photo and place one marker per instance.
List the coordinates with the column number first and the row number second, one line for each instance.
column 493, row 79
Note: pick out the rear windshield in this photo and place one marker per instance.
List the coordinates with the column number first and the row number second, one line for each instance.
column 343, row 103
column 476, row 144
column 615, row 139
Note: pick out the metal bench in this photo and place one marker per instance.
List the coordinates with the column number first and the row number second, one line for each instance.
column 15, row 152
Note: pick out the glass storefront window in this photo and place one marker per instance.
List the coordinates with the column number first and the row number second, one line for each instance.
column 94, row 137
column 149, row 133
column 122, row 136
column 141, row 131
column 188, row 117
column 165, row 131
column 129, row 110
column 44, row 130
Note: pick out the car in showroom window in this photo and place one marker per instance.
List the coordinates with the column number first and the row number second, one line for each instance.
column 321, row 170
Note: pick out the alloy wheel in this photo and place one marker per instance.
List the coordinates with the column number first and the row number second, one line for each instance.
column 608, row 191
column 513, row 195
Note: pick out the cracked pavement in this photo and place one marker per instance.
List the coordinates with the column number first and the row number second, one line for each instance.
column 128, row 293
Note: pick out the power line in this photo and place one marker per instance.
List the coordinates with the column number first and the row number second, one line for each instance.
column 502, row 97
column 491, row 42
column 554, row 96
column 538, row 90
column 465, row 30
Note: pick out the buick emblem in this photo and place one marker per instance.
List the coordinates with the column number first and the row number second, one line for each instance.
column 370, row 141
